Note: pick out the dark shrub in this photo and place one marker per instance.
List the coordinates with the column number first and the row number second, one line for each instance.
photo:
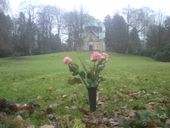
column 147, row 52
column 163, row 54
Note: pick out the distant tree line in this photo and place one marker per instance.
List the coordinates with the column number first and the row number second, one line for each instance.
column 45, row 29
column 38, row 30
column 139, row 31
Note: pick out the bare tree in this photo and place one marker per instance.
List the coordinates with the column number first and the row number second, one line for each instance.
column 4, row 5
column 26, row 28
column 75, row 22
column 160, row 18
column 50, row 21
column 138, row 19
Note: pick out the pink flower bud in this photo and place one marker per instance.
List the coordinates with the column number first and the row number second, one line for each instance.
column 67, row 60
column 95, row 56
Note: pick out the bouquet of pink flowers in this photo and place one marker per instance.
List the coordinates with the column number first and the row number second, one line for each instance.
column 91, row 76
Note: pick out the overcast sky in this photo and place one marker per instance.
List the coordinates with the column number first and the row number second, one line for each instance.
column 99, row 8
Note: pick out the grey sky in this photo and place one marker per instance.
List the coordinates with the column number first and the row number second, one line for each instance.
column 100, row 8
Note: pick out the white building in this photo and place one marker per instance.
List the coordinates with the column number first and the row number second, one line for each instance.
column 93, row 37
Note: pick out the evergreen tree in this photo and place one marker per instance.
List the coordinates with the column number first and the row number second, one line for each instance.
column 134, row 41
column 108, row 32
column 119, row 34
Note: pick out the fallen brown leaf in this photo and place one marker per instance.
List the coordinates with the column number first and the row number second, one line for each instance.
column 132, row 113
column 4, row 119
column 85, row 112
column 47, row 126
column 168, row 122
column 149, row 107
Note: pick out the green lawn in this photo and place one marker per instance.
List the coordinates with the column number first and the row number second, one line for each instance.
column 131, row 81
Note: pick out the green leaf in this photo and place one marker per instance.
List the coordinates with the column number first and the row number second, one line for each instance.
column 82, row 74
column 101, row 79
column 74, row 68
column 90, row 75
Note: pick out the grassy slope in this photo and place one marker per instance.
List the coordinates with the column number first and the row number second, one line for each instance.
column 43, row 79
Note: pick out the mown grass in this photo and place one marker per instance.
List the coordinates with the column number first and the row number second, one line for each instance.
column 43, row 79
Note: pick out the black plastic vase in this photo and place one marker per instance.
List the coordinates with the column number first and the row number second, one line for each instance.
column 92, row 98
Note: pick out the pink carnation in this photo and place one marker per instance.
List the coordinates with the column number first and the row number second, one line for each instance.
column 67, row 60
column 95, row 56
column 105, row 56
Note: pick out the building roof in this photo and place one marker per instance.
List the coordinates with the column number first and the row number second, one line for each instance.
column 96, row 27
